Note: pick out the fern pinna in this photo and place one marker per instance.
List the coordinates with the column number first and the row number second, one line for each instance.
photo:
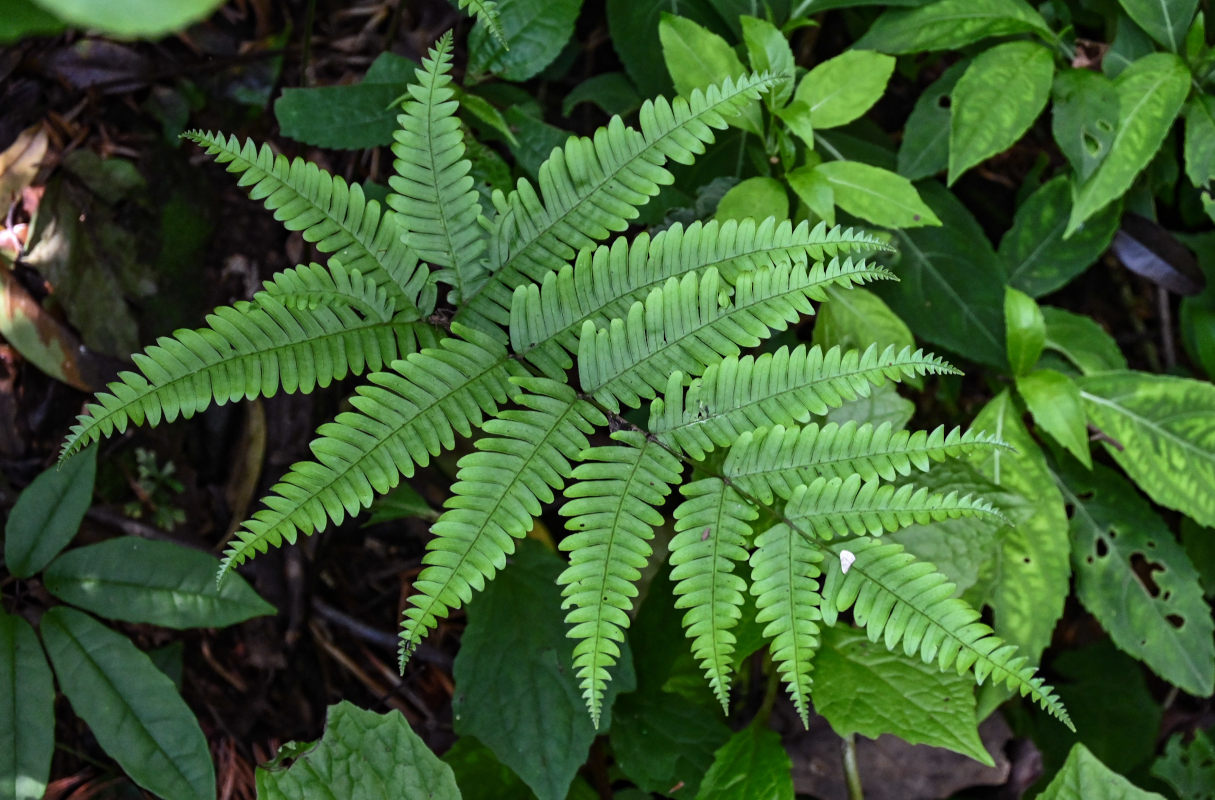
column 551, row 337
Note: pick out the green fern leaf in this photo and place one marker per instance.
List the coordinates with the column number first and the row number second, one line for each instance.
column 613, row 513
column 486, row 12
column 334, row 216
column 784, row 569
column 849, row 506
column 781, row 388
column 903, row 601
column 777, row 460
column 591, row 187
column 546, row 320
column 687, row 325
column 500, row 489
column 279, row 340
column 712, row 527
column 408, row 414
column 433, row 191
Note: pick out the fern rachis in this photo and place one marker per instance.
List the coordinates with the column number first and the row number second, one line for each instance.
column 553, row 335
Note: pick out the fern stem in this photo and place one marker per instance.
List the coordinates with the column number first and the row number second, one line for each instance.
column 852, row 771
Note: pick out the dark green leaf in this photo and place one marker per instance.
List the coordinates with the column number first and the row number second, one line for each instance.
column 995, row 101
column 1199, row 544
column 1083, row 777
column 1082, row 340
column 132, row 708
column 22, row 18
column 1200, row 139
column 1164, row 430
column 161, row 583
column 612, row 92
column 1054, row 400
column 858, row 318
column 1025, row 330
column 131, row 18
column 951, row 289
column 862, row 687
column 1158, row 615
column 362, row 756
column 1166, row 21
column 634, row 30
column 48, row 512
column 925, row 147
column 950, row 25
column 664, row 740
column 1188, row 768
column 841, row 89
column 1130, row 44
column 535, row 30
column 481, row 776
column 1150, row 93
column 514, row 682
column 402, row 502
column 768, row 51
column 27, row 712
column 1084, row 118
column 1039, row 259
column 753, row 763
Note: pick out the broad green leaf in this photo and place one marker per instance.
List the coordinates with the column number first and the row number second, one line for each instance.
column 535, row 30
column 950, row 25
column 696, row 57
column 1199, row 544
column 995, row 101
column 1054, row 400
column 611, row 91
column 768, row 51
column 754, row 198
column 1200, row 139
column 1188, row 768
column 362, row 756
column 857, row 318
column 1083, row 777
column 351, row 117
column 925, row 147
column 753, row 763
column 22, row 18
column 663, row 740
column 1166, row 21
column 160, row 583
column 132, row 708
column 1138, row 581
column 841, row 89
column 481, row 776
column 884, row 404
column 147, row 19
column 1084, row 118
column 1164, row 430
column 1032, row 581
column 1082, row 341
column 634, row 32
column 813, row 189
column 862, row 687
column 1024, row 330
column 951, row 284
column 48, row 512
column 1150, row 93
column 1130, row 44
column 514, row 683
column 27, row 712
column 1039, row 259
column 876, row 195
column 403, row 502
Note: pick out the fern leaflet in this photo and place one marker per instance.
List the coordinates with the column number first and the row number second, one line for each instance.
column 486, row 12
column 500, row 488
column 775, row 461
column 433, row 191
column 901, row 600
column 712, row 527
column 612, row 507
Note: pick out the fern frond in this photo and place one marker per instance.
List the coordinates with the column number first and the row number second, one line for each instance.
column 613, row 512
column 311, row 286
column 407, row 414
column 712, row 527
column 591, row 187
column 333, row 215
column 903, row 601
column 850, row 506
column 688, row 325
column 486, row 11
column 546, row 320
column 499, row 489
column 777, row 460
column 784, row 569
column 433, row 191
column 781, row 388
column 254, row 348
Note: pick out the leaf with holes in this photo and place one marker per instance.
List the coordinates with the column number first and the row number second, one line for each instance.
column 1188, row 768
column 1138, row 581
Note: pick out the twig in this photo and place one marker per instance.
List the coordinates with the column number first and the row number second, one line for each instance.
column 852, row 771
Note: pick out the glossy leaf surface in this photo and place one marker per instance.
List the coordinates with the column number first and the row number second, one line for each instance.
column 27, row 712
column 47, row 514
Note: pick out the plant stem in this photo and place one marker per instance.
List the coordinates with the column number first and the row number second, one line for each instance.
column 852, row 773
